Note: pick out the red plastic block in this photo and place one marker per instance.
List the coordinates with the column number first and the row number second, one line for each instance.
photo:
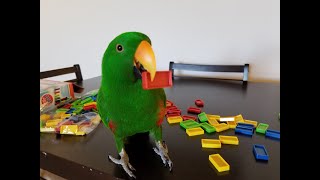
column 169, row 103
column 199, row 103
column 173, row 112
column 67, row 106
column 89, row 107
column 162, row 79
column 173, row 108
column 186, row 117
column 194, row 110
column 171, row 115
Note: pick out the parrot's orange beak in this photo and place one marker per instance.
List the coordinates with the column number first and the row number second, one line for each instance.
column 144, row 55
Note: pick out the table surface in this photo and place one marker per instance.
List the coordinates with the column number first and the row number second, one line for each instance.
column 255, row 101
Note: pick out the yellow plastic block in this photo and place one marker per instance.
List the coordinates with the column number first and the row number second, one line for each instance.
column 238, row 118
column 90, row 103
column 232, row 124
column 68, row 129
column 53, row 123
column 212, row 116
column 45, row 129
column 221, row 127
column 58, row 115
column 210, row 143
column 255, row 123
column 213, row 121
column 219, row 163
column 227, row 118
column 229, row 140
column 194, row 131
column 63, row 116
column 80, row 133
column 45, row 117
column 174, row 119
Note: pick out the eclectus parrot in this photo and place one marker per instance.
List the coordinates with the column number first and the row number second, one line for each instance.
column 123, row 105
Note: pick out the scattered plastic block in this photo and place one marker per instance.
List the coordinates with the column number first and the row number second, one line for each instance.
column 210, row 143
column 225, row 119
column 62, row 110
column 172, row 115
column 260, row 152
column 238, row 118
column 194, row 131
column 70, row 111
column 207, row 127
column 194, row 110
column 254, row 123
column 221, row 127
column 68, row 129
column 199, row 103
column 174, row 119
column 273, row 134
column 67, row 106
column 53, row 122
column 189, row 124
column 219, row 163
column 174, row 112
column 47, row 129
column 246, row 125
column 186, row 117
column 212, row 116
column 203, row 117
column 262, row 128
column 232, row 124
column 162, row 79
column 244, row 130
column 229, row 140
column 86, row 100
column 172, row 108
column 44, row 117
column 169, row 103
column 213, row 121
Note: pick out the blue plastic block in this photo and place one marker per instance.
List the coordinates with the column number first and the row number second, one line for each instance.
column 273, row 134
column 246, row 125
column 260, row 152
column 244, row 130
column 70, row 111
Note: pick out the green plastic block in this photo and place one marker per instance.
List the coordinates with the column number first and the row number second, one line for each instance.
column 203, row 117
column 262, row 128
column 189, row 124
column 62, row 110
column 208, row 127
column 77, row 111
column 76, row 102
column 87, row 100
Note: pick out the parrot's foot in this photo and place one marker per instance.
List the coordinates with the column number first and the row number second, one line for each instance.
column 124, row 162
column 162, row 151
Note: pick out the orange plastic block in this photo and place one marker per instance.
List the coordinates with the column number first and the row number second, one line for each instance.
column 219, row 163
column 221, row 127
column 162, row 79
column 210, row 143
column 254, row 123
column 213, row 121
column 174, row 119
column 238, row 118
column 232, row 124
column 229, row 140
column 194, row 131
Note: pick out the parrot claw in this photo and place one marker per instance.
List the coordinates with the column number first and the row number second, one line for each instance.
column 124, row 162
column 162, row 151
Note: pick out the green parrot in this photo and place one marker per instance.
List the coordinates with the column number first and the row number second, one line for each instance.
column 123, row 105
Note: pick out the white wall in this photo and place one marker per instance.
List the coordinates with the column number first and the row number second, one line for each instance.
column 205, row 31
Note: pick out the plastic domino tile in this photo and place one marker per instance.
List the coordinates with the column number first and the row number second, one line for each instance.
column 260, row 152
column 199, row 103
column 194, row 131
column 212, row 116
column 186, row 117
column 194, row 110
column 169, row 103
column 225, row 119
column 273, row 134
column 262, row 128
column 229, row 140
column 238, row 118
column 189, row 124
column 219, row 163
column 68, row 129
column 210, row 143
column 174, row 119
column 203, row 117
column 221, row 127
column 213, row 121
column 207, row 127
column 245, row 125
column 52, row 123
column 244, row 130
column 162, row 79
column 232, row 124
column 254, row 123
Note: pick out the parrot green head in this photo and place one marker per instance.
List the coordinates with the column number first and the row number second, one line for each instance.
column 126, row 57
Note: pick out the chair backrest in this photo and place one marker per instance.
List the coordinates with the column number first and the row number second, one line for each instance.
column 68, row 70
column 211, row 68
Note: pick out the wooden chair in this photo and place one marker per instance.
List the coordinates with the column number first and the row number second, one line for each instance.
column 68, row 70
column 211, row 68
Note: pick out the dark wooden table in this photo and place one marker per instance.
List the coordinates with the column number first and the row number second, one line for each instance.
column 76, row 157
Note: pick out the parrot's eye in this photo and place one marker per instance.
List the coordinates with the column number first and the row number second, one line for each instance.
column 119, row 48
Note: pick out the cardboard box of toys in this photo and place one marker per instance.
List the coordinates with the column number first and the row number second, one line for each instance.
column 54, row 93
